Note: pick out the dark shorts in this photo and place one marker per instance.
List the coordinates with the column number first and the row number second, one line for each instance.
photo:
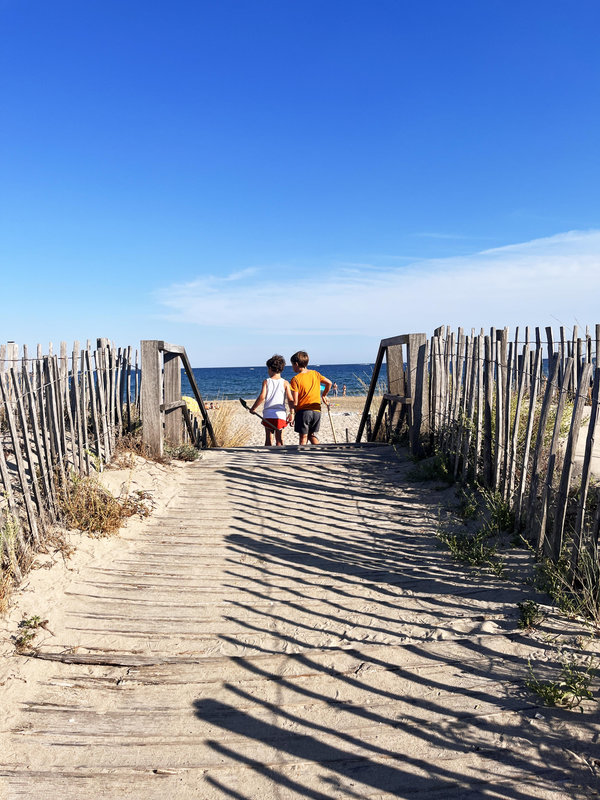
column 307, row 421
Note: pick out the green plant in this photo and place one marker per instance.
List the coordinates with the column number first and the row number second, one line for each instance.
column 434, row 468
column 577, row 595
column 570, row 689
column 469, row 505
column 28, row 628
column 499, row 517
column 531, row 615
column 184, row 452
column 472, row 548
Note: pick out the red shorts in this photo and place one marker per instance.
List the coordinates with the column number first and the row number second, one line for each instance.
column 274, row 424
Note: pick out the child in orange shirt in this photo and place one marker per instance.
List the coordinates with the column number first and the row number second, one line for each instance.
column 306, row 389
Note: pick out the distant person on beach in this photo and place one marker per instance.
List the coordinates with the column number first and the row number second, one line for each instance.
column 306, row 388
column 275, row 391
column 344, row 390
column 334, row 390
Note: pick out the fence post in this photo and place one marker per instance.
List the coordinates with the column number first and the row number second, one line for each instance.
column 152, row 433
column 418, row 390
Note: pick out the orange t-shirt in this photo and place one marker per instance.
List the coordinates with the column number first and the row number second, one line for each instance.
column 308, row 386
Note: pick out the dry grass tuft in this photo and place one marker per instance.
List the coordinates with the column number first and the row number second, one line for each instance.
column 7, row 584
column 230, row 429
column 88, row 506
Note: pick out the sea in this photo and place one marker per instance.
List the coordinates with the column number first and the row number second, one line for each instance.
column 230, row 383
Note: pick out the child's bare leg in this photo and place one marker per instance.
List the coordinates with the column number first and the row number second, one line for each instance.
column 279, row 438
column 268, row 438
column 313, row 439
column 303, row 438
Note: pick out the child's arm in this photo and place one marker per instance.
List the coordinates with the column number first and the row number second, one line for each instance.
column 260, row 399
column 291, row 398
column 328, row 385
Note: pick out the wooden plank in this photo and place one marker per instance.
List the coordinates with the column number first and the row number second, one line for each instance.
column 13, row 511
column 569, row 460
column 397, row 398
column 459, row 390
column 396, row 380
column 477, row 459
column 128, row 387
column 471, row 375
column 498, row 456
column 172, row 394
column 152, row 423
column 30, row 460
column 551, row 349
column 512, row 467
column 111, row 395
column 58, row 400
column 137, row 397
column 20, row 464
column 92, row 399
column 74, row 392
column 533, row 397
column 586, row 473
column 52, row 415
column 418, row 389
column 395, row 340
column 39, row 446
column 371, row 391
column 84, row 411
column 100, row 391
column 119, row 364
column 508, row 397
column 488, row 404
column 539, row 524
column 380, row 413
column 42, row 405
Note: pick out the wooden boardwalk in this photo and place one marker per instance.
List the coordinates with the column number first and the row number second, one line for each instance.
column 289, row 629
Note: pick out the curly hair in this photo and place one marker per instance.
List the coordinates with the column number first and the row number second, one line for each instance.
column 276, row 363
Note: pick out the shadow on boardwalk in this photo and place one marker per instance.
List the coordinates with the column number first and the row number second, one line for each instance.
column 482, row 740
column 288, row 628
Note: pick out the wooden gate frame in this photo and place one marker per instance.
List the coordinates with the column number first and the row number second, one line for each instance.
column 159, row 423
column 407, row 388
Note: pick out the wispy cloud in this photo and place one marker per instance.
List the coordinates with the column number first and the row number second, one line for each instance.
column 535, row 282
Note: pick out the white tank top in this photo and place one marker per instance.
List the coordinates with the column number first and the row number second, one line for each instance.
column 275, row 400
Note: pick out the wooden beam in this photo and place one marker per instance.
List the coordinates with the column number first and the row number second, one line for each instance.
column 371, row 392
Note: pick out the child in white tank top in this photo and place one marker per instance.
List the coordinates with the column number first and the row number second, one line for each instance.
column 275, row 391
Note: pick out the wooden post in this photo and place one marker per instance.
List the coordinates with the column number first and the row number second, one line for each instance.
column 586, row 473
column 172, row 383
column 567, row 472
column 371, row 392
column 540, row 529
column 395, row 376
column 418, row 391
column 151, row 395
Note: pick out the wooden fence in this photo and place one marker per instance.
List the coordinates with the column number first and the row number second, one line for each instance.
column 59, row 414
column 508, row 413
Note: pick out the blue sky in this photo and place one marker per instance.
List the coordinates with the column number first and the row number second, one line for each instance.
column 244, row 178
